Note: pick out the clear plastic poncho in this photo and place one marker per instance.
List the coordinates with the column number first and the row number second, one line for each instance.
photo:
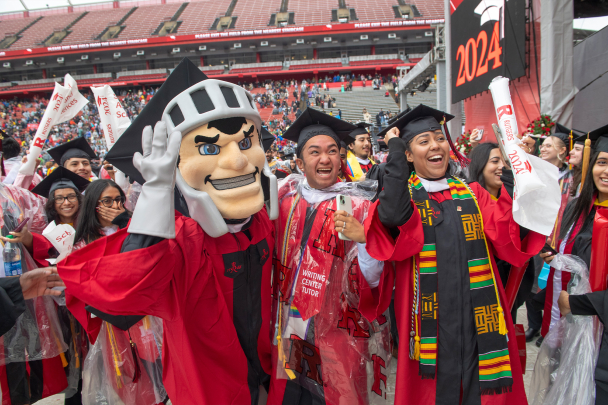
column 115, row 372
column 564, row 373
column 336, row 354
column 37, row 333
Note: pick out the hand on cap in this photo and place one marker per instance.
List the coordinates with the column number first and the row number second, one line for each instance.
column 392, row 133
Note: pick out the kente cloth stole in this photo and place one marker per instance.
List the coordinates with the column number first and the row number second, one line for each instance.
column 494, row 365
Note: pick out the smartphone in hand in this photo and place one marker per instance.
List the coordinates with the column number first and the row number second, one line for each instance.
column 548, row 249
column 21, row 225
column 479, row 135
column 345, row 203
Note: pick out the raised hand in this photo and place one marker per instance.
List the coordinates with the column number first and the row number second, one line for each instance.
column 154, row 214
column 159, row 161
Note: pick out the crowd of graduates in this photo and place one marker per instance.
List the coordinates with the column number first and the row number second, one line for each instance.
column 296, row 259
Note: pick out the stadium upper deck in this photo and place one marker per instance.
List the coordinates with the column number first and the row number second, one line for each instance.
column 241, row 40
column 128, row 21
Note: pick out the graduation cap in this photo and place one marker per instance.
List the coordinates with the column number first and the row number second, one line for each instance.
column 312, row 123
column 599, row 139
column 360, row 130
column 77, row 148
column 267, row 139
column 424, row 119
column 60, row 178
column 185, row 75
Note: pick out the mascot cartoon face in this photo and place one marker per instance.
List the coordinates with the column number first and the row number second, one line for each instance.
column 222, row 161
column 225, row 159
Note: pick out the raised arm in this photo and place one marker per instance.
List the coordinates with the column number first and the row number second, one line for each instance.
column 510, row 242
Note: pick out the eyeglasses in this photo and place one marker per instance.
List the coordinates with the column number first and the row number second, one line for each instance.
column 109, row 202
column 71, row 198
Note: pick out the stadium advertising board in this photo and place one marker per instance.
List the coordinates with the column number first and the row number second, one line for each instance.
column 487, row 40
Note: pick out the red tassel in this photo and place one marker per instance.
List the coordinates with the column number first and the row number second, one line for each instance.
column 135, row 359
column 463, row 160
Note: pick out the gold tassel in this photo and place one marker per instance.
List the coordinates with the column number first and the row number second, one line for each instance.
column 502, row 325
column 417, row 348
column 586, row 159
column 146, row 322
column 571, row 146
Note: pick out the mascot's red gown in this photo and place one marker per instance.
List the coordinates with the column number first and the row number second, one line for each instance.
column 213, row 294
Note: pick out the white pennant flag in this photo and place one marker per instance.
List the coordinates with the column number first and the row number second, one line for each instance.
column 64, row 104
column 536, row 196
column 114, row 122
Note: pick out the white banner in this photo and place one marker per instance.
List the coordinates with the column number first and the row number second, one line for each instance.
column 64, row 104
column 114, row 120
column 536, row 196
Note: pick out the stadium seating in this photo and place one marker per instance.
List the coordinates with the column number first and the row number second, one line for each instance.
column 254, row 13
column 145, row 20
column 199, row 16
column 33, row 36
column 351, row 103
column 214, row 72
column 312, row 12
column 14, row 26
column 390, row 59
column 315, row 64
column 377, row 62
column 31, row 84
column 93, row 24
column 256, row 67
column 374, row 10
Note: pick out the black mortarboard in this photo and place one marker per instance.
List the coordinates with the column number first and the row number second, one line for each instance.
column 420, row 119
column 559, row 128
column 185, row 75
column 361, row 129
column 401, row 114
column 267, row 139
column 598, row 137
column 77, row 148
column 312, row 123
column 60, row 178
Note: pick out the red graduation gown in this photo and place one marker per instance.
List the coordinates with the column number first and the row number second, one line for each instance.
column 216, row 311
column 502, row 233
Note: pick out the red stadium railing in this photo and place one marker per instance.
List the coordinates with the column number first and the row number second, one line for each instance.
column 315, row 66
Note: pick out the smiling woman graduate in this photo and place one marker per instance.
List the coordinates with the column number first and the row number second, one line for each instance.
column 449, row 299
column 205, row 270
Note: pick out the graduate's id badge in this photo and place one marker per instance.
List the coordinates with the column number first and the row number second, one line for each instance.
column 234, row 264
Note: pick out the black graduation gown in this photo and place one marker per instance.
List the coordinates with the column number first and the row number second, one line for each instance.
column 595, row 303
column 12, row 304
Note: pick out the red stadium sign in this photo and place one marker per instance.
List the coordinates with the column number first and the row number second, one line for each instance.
column 222, row 36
